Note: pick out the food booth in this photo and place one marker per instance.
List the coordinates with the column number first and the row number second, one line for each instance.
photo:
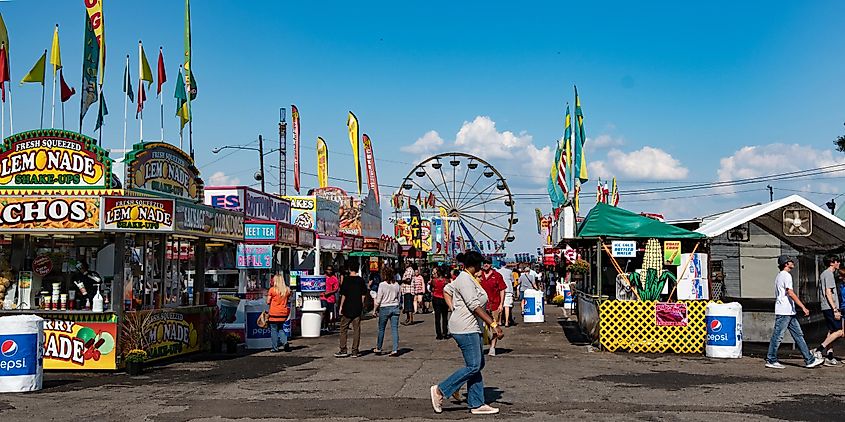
column 644, row 285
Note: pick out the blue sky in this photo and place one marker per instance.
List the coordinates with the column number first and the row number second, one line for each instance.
column 672, row 91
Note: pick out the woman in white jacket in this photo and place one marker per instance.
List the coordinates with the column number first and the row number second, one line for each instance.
column 468, row 302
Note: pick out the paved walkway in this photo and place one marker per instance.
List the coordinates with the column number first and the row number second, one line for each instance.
column 538, row 375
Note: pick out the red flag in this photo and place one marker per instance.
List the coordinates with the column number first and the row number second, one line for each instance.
column 67, row 91
column 142, row 96
column 162, row 76
column 4, row 71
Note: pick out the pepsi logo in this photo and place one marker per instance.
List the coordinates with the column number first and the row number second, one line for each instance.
column 8, row 348
column 715, row 326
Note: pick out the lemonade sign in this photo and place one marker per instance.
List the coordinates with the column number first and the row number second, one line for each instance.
column 142, row 214
column 163, row 169
column 53, row 160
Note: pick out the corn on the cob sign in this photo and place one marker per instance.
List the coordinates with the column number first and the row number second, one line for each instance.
column 138, row 214
column 53, row 160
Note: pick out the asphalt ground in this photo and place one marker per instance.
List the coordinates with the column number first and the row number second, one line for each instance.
column 537, row 375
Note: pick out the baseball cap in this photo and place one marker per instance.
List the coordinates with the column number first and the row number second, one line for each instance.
column 783, row 259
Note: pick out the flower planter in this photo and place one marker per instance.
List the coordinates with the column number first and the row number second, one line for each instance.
column 134, row 368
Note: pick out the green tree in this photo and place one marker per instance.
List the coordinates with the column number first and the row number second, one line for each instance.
column 840, row 142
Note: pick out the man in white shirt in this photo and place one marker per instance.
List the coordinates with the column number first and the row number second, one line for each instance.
column 785, row 318
column 507, row 275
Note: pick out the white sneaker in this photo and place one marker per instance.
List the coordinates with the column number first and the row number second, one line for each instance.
column 436, row 399
column 775, row 365
column 817, row 354
column 830, row 362
column 818, row 361
column 484, row 410
column 492, row 352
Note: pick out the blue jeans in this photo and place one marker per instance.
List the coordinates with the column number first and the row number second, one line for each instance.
column 782, row 323
column 388, row 313
column 470, row 345
column 278, row 338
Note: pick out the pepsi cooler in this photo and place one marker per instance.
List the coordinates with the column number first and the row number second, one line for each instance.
column 724, row 330
column 21, row 353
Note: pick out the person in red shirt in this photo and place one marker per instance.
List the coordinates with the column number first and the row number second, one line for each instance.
column 441, row 309
column 494, row 285
column 329, row 298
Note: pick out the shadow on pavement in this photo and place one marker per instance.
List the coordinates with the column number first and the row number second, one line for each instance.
column 573, row 333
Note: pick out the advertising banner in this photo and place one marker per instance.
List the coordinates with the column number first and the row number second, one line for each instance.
column 81, row 342
column 211, row 222
column 349, row 209
column 623, row 248
column 260, row 231
column 49, row 213
column 287, row 234
column 53, row 160
column 415, row 226
column 370, row 159
column 671, row 314
column 227, row 199
column 254, row 204
column 306, row 238
column 137, row 214
column 294, row 114
column 162, row 169
column 322, row 163
column 174, row 332
column 254, row 256
column 672, row 252
column 693, row 284
column 303, row 211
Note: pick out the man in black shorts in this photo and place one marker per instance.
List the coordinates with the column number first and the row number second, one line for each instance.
column 830, row 309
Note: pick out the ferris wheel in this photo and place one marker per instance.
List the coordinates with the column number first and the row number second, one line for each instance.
column 467, row 197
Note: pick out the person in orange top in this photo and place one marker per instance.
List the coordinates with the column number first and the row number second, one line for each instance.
column 278, row 297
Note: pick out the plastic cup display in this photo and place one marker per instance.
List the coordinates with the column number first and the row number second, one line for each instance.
column 228, row 308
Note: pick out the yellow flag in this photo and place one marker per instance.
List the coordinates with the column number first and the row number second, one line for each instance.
column 36, row 74
column 352, row 124
column 322, row 163
column 144, row 66
column 56, row 53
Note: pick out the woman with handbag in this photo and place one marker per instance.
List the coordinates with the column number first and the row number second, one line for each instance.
column 278, row 297
column 468, row 322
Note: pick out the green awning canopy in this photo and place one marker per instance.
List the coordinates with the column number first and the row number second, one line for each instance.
column 613, row 222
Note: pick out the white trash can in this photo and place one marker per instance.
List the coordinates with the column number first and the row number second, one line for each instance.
column 532, row 310
column 256, row 337
column 724, row 330
column 312, row 316
column 21, row 353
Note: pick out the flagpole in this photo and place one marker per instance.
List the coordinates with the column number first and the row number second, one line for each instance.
column 125, row 101
column 63, row 115
column 11, row 119
column 53, row 107
column 100, row 113
column 161, row 102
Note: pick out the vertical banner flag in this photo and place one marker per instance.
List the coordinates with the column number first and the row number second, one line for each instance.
column 294, row 114
column 416, row 228
column 564, row 161
column 580, row 139
column 370, row 159
column 555, row 195
column 322, row 163
column 539, row 220
column 190, row 83
column 95, row 16
column 614, row 194
column 181, row 96
column 90, row 60
column 352, row 125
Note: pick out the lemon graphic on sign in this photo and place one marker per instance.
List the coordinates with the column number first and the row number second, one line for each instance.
column 134, row 214
column 139, row 177
column 192, row 338
column 160, row 333
column 98, row 174
column 41, row 160
column 164, row 170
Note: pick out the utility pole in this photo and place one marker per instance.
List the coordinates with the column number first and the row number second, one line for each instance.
column 261, row 160
column 283, row 145
column 771, row 193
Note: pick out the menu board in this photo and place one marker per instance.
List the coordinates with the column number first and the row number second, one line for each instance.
column 210, row 222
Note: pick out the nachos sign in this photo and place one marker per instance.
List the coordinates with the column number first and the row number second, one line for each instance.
column 53, row 160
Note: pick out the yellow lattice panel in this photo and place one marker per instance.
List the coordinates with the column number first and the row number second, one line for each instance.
column 631, row 326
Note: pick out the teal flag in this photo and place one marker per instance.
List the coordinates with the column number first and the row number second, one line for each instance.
column 90, row 59
column 580, row 163
column 103, row 112
column 556, row 194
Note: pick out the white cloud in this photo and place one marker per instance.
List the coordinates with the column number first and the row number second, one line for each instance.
column 220, row 178
column 603, row 142
column 646, row 163
column 428, row 144
column 755, row 161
